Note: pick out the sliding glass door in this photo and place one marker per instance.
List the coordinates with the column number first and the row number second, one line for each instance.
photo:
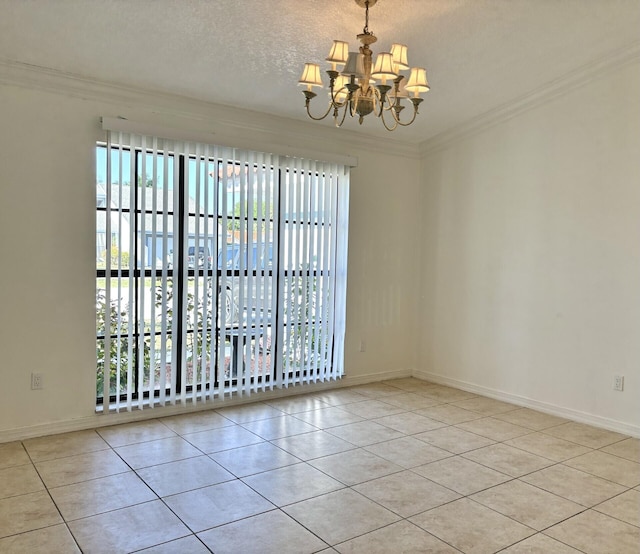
column 219, row 271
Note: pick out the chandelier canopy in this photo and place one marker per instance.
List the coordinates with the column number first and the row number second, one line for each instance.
column 359, row 87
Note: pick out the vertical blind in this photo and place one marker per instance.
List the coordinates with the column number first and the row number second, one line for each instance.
column 220, row 272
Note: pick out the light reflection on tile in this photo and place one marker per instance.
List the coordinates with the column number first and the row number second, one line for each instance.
column 101, row 495
column 157, row 452
column 80, row 467
column 254, row 458
column 364, row 433
column 355, row 466
column 132, row 433
column 184, row 475
column 63, row 445
column 408, row 452
column 208, row 507
column 293, row 483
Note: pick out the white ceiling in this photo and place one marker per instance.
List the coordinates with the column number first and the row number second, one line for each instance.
column 479, row 54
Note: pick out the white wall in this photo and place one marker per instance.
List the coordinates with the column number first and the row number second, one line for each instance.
column 507, row 263
column 47, row 234
column 531, row 262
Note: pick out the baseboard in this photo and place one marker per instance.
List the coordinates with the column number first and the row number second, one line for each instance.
column 561, row 411
column 96, row 420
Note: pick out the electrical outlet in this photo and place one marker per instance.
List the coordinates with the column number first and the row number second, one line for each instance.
column 363, row 346
column 618, row 382
column 36, row 381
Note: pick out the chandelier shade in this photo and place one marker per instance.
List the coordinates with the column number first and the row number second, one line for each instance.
column 338, row 54
column 417, row 81
column 358, row 87
column 399, row 55
column 311, row 76
column 354, row 66
column 383, row 68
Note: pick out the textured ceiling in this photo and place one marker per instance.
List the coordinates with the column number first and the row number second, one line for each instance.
column 479, row 54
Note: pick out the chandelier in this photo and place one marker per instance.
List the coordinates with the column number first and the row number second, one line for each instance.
column 363, row 87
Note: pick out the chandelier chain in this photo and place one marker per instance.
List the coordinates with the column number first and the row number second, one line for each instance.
column 366, row 18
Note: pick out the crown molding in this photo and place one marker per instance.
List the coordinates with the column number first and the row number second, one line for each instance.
column 578, row 78
column 227, row 121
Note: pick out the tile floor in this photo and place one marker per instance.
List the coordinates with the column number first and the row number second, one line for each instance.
column 398, row 466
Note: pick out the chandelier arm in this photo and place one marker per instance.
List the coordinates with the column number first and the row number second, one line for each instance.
column 389, row 108
column 333, row 92
column 394, row 104
column 344, row 116
column 353, row 104
column 416, row 102
column 320, row 118
column 395, row 124
column 415, row 113
column 395, row 113
column 333, row 95
column 396, row 90
column 381, row 99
